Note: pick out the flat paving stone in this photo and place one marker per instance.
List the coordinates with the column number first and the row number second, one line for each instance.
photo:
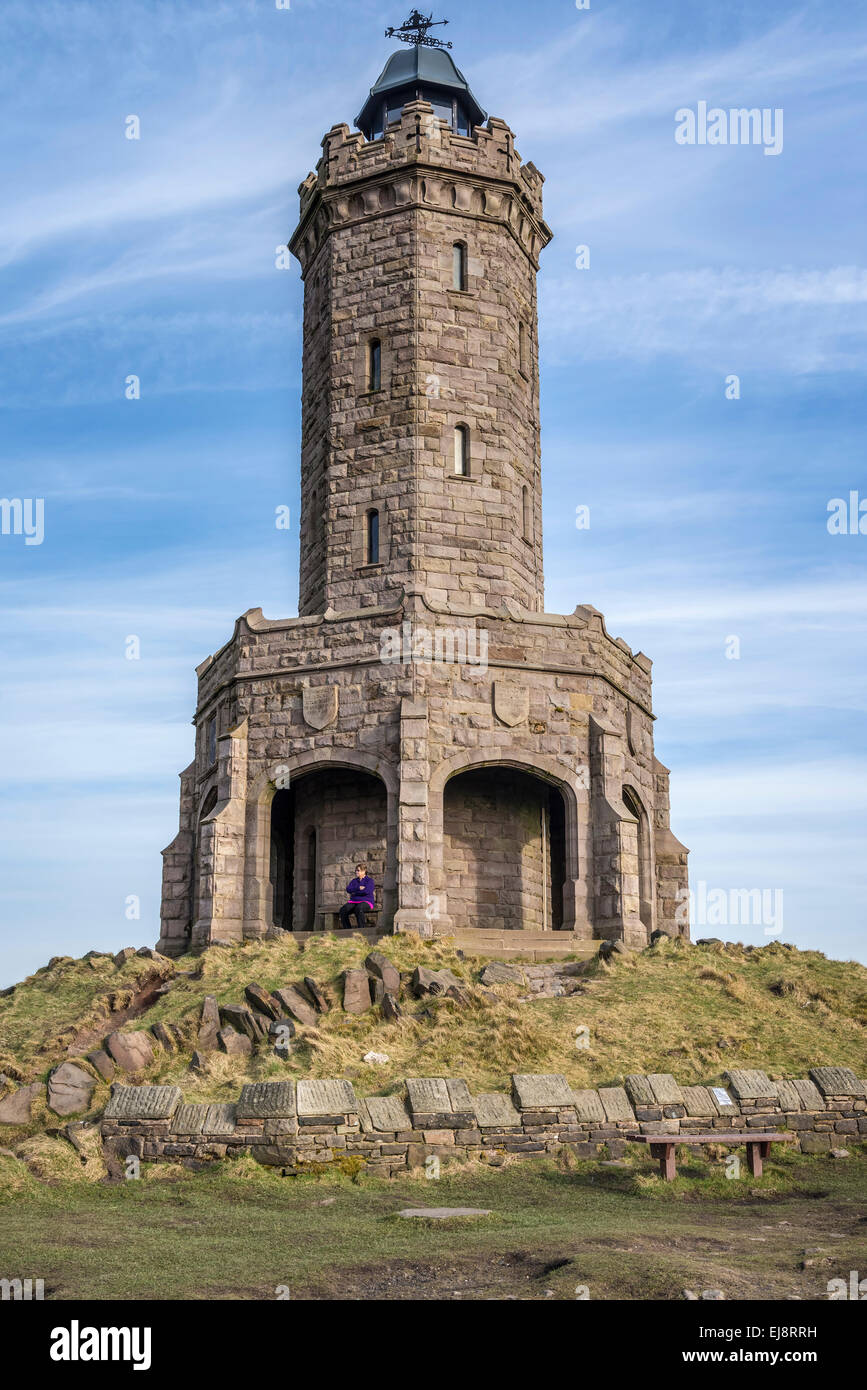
column 443, row 1213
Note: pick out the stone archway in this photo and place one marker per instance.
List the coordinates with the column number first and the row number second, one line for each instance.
column 504, row 838
column 306, row 820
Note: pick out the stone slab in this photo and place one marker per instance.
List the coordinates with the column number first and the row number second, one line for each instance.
column 326, row 1098
column 788, row 1095
column 615, row 1103
column 751, row 1085
column 189, row 1119
column 459, row 1094
column 698, row 1102
column 428, row 1095
column 266, row 1100
column 220, row 1119
column 639, row 1090
column 541, row 1091
column 811, row 1096
column 588, row 1106
column 494, row 1110
column 442, row 1213
column 143, row 1102
column 665, row 1089
column 837, row 1081
column 388, row 1113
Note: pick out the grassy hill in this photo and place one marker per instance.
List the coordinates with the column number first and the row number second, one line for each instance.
column 693, row 1011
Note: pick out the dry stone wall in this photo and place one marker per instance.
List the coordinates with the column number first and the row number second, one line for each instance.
column 290, row 1125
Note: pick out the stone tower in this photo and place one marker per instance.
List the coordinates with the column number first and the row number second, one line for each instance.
column 492, row 763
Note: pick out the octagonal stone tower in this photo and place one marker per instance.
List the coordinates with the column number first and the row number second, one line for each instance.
column 493, row 763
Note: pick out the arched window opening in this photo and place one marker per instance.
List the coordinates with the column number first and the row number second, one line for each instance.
column 459, row 265
column 374, row 365
column 371, row 549
column 527, row 513
column 462, row 451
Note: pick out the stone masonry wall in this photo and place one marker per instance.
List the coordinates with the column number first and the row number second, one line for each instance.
column 288, row 1125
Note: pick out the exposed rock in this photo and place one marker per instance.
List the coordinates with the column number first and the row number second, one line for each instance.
column 102, row 1063
column 709, row 941
column 259, row 998
column 713, row 1295
column 381, row 968
column 15, row 1109
column 235, row 1044
column 69, row 1089
column 436, row 982
column 199, row 1062
column 500, row 972
column 131, row 1051
column 316, row 994
column 356, row 991
column 292, row 1002
column 376, row 1058
column 839, row 1153
column 209, row 1025
column 390, row 1008
column 459, row 994
column 164, row 1037
column 243, row 1021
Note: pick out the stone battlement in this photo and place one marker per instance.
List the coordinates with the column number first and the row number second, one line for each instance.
column 482, row 176
column 289, row 1124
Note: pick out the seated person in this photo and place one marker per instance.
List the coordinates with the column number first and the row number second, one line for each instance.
column 360, row 891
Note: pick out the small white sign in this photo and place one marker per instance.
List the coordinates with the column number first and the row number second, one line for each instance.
column 722, row 1096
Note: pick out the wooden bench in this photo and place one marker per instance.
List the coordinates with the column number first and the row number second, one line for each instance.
column 758, row 1144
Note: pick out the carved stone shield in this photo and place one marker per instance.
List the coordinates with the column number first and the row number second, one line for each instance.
column 511, row 703
column 319, row 705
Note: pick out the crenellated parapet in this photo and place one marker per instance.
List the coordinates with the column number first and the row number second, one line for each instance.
column 421, row 163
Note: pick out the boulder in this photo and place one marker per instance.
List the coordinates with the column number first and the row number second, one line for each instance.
column 199, row 1062
column 130, row 1051
column 316, row 994
column 356, row 991
column 235, row 1044
column 709, row 941
column 101, row 1062
column 259, row 999
column 243, row 1021
column 292, row 1001
column 15, row 1109
column 500, row 972
column 381, row 968
column 425, row 981
column 123, row 956
column 164, row 1037
column 69, row 1089
column 209, row 1024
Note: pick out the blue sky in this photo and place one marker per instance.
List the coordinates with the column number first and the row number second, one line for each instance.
column 156, row 257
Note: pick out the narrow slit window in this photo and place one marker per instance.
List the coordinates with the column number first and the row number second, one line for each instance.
column 462, row 451
column 523, row 349
column 372, row 539
column 459, row 266
column 211, row 742
column 527, row 513
column 374, row 365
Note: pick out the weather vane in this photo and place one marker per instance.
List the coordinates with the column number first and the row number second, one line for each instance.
column 414, row 30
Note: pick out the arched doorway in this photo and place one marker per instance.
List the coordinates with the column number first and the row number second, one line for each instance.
column 504, row 850
column 321, row 824
column 634, row 806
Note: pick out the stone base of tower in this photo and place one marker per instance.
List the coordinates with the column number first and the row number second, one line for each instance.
column 494, row 768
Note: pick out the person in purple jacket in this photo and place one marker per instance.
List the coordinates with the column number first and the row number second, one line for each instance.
column 360, row 891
